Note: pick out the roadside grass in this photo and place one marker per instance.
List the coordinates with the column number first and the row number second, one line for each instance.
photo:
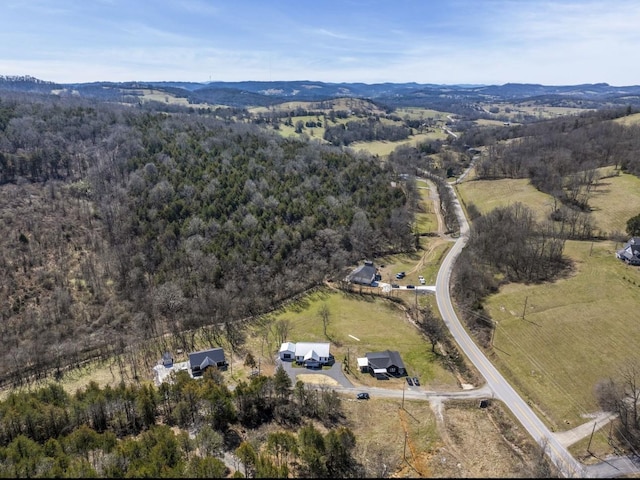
column 576, row 332
column 487, row 195
column 376, row 323
column 380, row 426
column 591, row 450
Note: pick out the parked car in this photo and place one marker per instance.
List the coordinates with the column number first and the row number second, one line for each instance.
column 409, row 381
column 395, row 285
column 363, row 396
column 400, row 275
column 416, row 381
column 411, row 286
column 421, row 278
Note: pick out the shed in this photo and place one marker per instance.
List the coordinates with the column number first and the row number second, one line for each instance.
column 167, row 359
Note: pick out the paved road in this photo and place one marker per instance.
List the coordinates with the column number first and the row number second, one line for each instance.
column 502, row 390
column 555, row 445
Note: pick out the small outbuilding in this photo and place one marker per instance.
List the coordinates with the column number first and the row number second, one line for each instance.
column 167, row 360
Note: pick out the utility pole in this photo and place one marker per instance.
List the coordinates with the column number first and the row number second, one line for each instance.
column 259, row 366
column 404, row 450
column 493, row 332
column 402, row 396
column 591, row 437
column 525, row 306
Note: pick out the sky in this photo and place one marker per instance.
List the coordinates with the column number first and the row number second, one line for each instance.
column 491, row 42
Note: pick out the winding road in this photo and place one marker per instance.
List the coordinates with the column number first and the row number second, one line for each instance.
column 555, row 448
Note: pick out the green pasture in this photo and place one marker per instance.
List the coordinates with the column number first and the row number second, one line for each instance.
column 384, row 148
column 575, row 332
column 490, row 194
column 426, row 219
column 614, row 201
column 416, row 113
column 377, row 323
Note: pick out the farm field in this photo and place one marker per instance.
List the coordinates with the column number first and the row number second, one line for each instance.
column 614, row 201
column 383, row 148
column 487, row 195
column 633, row 119
column 577, row 330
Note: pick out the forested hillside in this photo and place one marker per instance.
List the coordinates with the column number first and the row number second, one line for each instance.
column 121, row 223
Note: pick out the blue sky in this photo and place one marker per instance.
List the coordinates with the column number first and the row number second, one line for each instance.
column 562, row 42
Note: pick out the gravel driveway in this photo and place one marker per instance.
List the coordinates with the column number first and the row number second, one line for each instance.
column 334, row 372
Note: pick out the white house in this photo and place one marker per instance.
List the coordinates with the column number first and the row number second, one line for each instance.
column 307, row 354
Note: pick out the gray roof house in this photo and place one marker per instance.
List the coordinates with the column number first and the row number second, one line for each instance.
column 364, row 274
column 383, row 364
column 199, row 361
column 630, row 253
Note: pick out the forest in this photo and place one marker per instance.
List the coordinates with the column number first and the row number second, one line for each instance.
column 117, row 432
column 125, row 222
column 122, row 223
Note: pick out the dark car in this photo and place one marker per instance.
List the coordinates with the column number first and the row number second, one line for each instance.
column 410, row 286
column 395, row 285
column 363, row 396
column 409, row 381
column 416, row 381
column 400, row 275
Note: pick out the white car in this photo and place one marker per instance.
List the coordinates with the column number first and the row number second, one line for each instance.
column 421, row 278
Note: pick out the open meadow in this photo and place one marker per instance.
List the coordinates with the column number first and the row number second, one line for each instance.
column 556, row 340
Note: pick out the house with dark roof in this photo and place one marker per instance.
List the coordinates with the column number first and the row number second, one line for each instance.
column 383, row 364
column 630, row 253
column 200, row 361
column 364, row 274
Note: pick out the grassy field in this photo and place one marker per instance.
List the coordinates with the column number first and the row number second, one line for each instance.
column 577, row 330
column 376, row 323
column 629, row 119
column 614, row 201
column 487, row 195
column 384, row 148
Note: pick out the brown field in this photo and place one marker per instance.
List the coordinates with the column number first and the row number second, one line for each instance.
column 629, row 119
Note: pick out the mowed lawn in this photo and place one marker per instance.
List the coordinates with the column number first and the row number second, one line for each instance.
column 376, row 323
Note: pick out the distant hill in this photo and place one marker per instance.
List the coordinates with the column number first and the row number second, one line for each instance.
column 259, row 93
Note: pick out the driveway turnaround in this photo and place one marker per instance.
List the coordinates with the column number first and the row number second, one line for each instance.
column 334, row 372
